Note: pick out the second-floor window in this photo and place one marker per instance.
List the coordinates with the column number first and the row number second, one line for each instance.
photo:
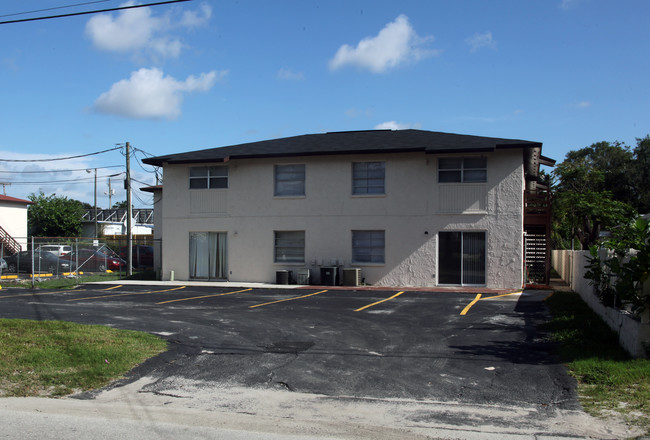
column 368, row 178
column 208, row 177
column 289, row 180
column 462, row 169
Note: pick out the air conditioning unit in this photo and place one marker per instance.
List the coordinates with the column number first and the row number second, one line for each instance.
column 351, row 277
column 302, row 276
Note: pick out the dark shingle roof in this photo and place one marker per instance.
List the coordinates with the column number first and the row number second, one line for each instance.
column 350, row 142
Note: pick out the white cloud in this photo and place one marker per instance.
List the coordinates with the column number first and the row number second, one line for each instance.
column 289, row 75
column 396, row 43
column 138, row 30
column 568, row 4
column 479, row 41
column 192, row 19
column 583, row 104
column 394, row 125
column 148, row 94
column 61, row 177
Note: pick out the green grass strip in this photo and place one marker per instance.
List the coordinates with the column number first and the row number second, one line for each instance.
column 608, row 379
column 54, row 358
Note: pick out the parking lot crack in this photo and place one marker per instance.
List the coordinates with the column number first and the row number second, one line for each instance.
column 272, row 373
column 158, row 393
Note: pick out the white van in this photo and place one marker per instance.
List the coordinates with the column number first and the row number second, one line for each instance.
column 56, row 249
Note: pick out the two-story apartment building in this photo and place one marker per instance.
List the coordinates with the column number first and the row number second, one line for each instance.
column 407, row 207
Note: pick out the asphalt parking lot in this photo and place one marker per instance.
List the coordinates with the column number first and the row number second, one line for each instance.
column 443, row 346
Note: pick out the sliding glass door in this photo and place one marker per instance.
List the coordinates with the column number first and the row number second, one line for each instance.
column 461, row 257
column 208, row 255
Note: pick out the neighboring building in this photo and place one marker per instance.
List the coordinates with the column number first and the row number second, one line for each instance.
column 13, row 224
column 407, row 207
column 113, row 222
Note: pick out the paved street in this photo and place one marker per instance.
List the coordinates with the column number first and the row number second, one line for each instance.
column 411, row 361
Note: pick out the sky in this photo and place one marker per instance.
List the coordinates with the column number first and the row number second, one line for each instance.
column 203, row 74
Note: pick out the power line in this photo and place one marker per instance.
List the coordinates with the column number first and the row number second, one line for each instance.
column 55, row 182
column 140, row 181
column 154, row 171
column 22, row 20
column 142, row 201
column 59, row 171
column 53, row 8
column 144, row 152
column 59, row 158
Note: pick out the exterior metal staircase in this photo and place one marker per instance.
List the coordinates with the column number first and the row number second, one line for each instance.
column 9, row 245
column 537, row 237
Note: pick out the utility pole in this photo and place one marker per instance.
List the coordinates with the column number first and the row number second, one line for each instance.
column 88, row 171
column 4, row 187
column 110, row 193
column 129, row 211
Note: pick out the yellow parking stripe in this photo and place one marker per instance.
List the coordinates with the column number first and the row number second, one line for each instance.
column 501, row 296
column 49, row 293
column 204, row 296
column 127, row 294
column 286, row 299
column 482, row 298
column 469, row 306
column 378, row 302
column 35, row 294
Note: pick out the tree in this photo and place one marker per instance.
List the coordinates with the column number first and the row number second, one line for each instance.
column 595, row 189
column 120, row 205
column 641, row 173
column 619, row 277
column 52, row 216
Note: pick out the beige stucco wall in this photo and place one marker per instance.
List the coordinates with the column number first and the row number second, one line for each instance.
column 413, row 210
column 13, row 218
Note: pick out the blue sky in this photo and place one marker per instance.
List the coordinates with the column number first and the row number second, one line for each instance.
column 204, row 74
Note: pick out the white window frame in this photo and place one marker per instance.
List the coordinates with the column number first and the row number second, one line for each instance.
column 279, row 179
column 214, row 177
column 466, row 169
column 286, row 241
column 373, row 250
column 363, row 184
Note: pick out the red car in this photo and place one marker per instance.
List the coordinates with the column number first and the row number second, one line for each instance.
column 95, row 261
column 142, row 255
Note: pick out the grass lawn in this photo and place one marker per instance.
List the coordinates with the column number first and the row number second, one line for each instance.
column 608, row 379
column 53, row 358
column 70, row 282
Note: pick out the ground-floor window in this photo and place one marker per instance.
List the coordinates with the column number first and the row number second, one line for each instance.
column 289, row 247
column 461, row 257
column 368, row 246
column 208, row 255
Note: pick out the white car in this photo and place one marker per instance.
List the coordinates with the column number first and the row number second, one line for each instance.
column 56, row 249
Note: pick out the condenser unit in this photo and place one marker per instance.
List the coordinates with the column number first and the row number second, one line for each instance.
column 351, row 277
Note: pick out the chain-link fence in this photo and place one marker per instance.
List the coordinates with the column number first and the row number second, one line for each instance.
column 47, row 257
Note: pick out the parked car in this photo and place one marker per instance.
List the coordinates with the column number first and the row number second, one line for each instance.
column 142, row 255
column 3, row 265
column 93, row 260
column 58, row 250
column 107, row 251
column 45, row 262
